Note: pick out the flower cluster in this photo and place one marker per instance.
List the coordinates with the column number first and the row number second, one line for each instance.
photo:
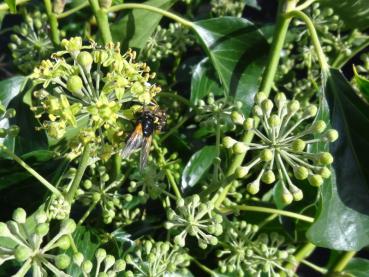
column 28, row 248
column 157, row 259
column 94, row 83
column 106, row 265
column 246, row 254
column 30, row 42
column 5, row 129
column 227, row 7
column 165, row 42
column 284, row 136
column 97, row 190
column 197, row 219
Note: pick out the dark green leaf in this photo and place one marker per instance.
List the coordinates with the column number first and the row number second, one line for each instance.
column 355, row 13
column 10, row 88
column 343, row 219
column 358, row 267
column 136, row 26
column 12, row 5
column 198, row 164
column 238, row 51
column 204, row 81
column 362, row 84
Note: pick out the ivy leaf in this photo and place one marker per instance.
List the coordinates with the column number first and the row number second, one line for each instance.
column 358, row 267
column 345, row 196
column 355, row 13
column 204, row 81
column 198, row 164
column 136, row 26
column 362, row 84
column 238, row 51
column 12, row 5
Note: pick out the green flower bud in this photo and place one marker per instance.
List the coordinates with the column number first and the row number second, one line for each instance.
column 297, row 195
column 109, row 261
column 287, row 197
column 319, row 126
column 87, row 184
column 257, row 111
column 310, row 111
column 266, row 155
column 268, row 177
column 68, row 226
column 293, row 106
column 100, row 254
column 4, row 230
column 325, row 158
column 41, row 217
column 119, row 265
column 75, row 84
column 85, row 60
column 237, row 118
column 325, row 172
column 253, row 187
column 260, row 97
column 300, row 172
column 87, row 266
column 58, row 6
column 280, row 99
column 241, row 172
column 78, row 258
column 3, row 133
column 315, row 180
column 267, row 106
column 62, row 261
column 298, row 145
column 19, row 216
column 331, row 135
column 22, row 253
column 64, row 242
column 13, row 130
column 179, row 240
column 42, row 229
column 248, row 124
column 10, row 113
column 240, row 148
column 274, row 120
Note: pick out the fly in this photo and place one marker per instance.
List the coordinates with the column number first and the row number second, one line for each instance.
column 147, row 123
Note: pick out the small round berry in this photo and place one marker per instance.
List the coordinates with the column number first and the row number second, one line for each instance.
column 74, row 84
column 87, row 184
column 253, row 187
column 331, row 135
column 315, row 180
column 300, row 172
column 298, row 145
column 268, row 177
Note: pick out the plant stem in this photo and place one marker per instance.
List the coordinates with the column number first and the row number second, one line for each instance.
column 73, row 10
column 79, row 174
column 87, row 213
column 305, row 5
column 267, row 220
column 317, row 268
column 203, row 267
column 342, row 59
column 314, row 37
column 343, row 261
column 279, row 37
column 217, row 151
column 5, row 7
column 117, row 164
column 41, row 179
column 270, row 211
column 303, row 253
column 173, row 183
column 53, row 21
column 170, row 15
column 102, row 20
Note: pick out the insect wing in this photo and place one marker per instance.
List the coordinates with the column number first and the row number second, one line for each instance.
column 145, row 150
column 134, row 142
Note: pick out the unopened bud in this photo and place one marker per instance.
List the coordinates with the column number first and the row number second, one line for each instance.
column 268, row 177
column 237, row 118
column 298, row 145
column 300, row 172
column 248, row 124
column 315, row 180
column 319, row 126
column 240, row 148
column 331, row 135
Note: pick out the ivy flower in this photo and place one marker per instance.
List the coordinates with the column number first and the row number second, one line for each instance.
column 284, row 139
column 197, row 219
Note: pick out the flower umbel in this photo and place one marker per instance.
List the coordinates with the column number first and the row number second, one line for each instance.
column 196, row 219
column 283, row 145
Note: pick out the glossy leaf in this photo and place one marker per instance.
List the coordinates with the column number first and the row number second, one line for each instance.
column 198, row 164
column 358, row 267
column 204, row 81
column 355, row 13
column 136, row 26
column 238, row 51
column 10, row 88
column 345, row 197
column 362, row 84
